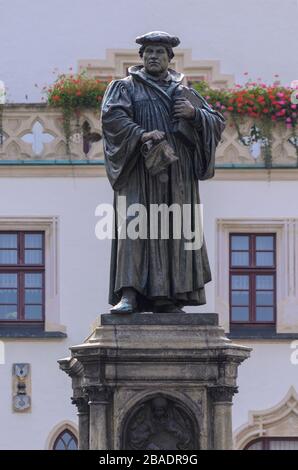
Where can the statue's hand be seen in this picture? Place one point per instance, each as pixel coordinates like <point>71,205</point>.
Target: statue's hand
<point>156,136</point>
<point>183,109</point>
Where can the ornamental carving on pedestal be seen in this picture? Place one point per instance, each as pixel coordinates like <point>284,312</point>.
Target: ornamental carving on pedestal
<point>159,423</point>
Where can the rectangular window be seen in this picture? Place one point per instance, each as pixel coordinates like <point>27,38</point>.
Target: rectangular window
<point>22,271</point>
<point>252,278</point>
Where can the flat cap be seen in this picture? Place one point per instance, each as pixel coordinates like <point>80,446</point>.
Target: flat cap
<point>159,37</point>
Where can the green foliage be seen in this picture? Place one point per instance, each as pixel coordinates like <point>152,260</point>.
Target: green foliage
<point>267,105</point>
<point>73,93</point>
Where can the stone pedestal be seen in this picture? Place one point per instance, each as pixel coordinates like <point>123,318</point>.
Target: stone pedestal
<point>155,381</point>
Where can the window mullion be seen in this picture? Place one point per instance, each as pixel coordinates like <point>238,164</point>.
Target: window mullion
<point>252,251</point>
<point>21,248</point>
<point>253,297</point>
<point>21,275</point>
<point>20,289</point>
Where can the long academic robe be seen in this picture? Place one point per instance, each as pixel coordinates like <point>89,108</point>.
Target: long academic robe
<point>156,268</point>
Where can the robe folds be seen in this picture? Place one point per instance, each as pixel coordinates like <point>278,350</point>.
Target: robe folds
<point>156,268</point>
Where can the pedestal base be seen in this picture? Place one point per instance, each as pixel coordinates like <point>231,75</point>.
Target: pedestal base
<point>154,381</point>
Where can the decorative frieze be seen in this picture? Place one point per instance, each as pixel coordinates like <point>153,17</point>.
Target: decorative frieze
<point>33,133</point>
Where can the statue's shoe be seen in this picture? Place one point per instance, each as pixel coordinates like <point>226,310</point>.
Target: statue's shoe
<point>124,306</point>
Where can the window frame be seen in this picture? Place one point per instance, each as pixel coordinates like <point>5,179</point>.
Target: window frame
<point>74,437</point>
<point>20,269</point>
<point>252,271</point>
<point>265,440</point>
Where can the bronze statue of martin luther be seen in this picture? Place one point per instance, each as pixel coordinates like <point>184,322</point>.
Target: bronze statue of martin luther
<point>159,140</point>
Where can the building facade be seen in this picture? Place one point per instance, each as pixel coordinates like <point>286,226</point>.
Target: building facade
<point>54,272</point>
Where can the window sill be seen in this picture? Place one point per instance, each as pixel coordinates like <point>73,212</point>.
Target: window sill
<point>259,333</point>
<point>29,332</point>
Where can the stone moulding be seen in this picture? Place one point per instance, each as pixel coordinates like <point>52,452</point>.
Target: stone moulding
<point>18,121</point>
<point>279,421</point>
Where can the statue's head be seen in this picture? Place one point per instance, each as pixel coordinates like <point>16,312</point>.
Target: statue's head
<point>159,407</point>
<point>157,51</point>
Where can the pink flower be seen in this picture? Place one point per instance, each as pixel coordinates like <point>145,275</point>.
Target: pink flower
<point>288,119</point>
<point>293,106</point>
<point>280,94</point>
